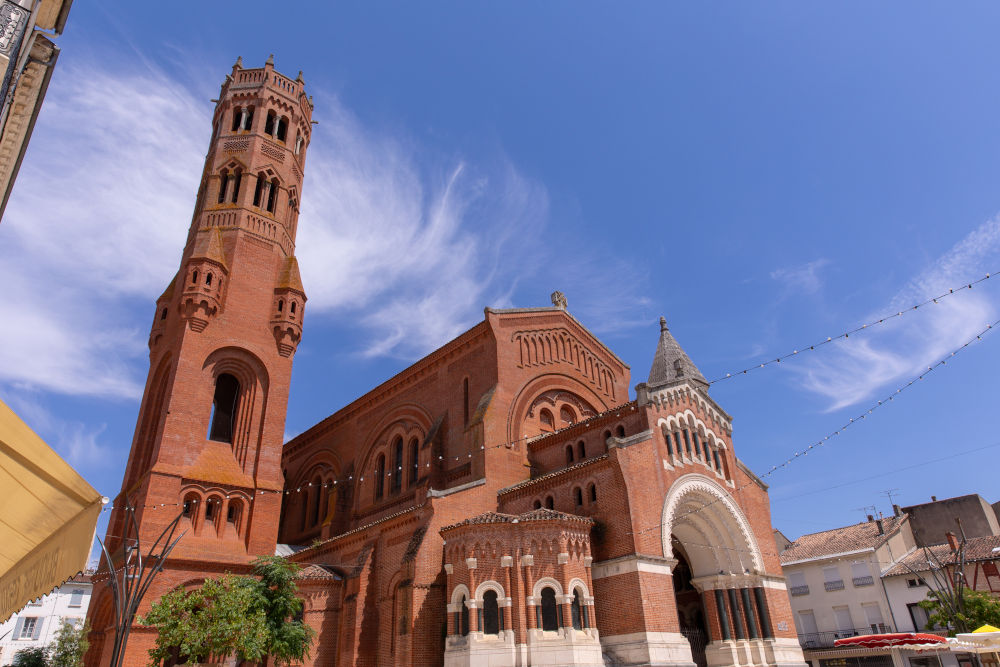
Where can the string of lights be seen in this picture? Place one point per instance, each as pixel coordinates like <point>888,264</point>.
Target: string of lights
<point>847,334</point>
<point>852,421</point>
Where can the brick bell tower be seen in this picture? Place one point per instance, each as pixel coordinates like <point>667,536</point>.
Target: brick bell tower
<point>210,429</point>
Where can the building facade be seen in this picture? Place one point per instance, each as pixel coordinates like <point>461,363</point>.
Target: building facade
<point>39,621</point>
<point>502,501</point>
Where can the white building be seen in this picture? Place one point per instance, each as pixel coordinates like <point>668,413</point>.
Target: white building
<point>38,622</point>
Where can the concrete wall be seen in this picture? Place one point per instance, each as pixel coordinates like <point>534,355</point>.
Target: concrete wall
<point>930,521</point>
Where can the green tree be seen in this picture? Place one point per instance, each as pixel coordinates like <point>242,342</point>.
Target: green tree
<point>31,657</point>
<point>219,619</point>
<point>288,637</point>
<point>70,644</point>
<point>961,614</point>
<point>253,618</point>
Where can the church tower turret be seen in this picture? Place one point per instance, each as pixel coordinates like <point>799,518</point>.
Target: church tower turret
<point>211,425</point>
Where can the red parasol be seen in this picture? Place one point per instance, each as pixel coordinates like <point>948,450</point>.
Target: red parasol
<point>910,640</point>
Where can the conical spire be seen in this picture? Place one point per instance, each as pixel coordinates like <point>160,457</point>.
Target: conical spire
<point>671,363</point>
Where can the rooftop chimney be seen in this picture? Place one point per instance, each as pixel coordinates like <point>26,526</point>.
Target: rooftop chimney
<point>952,540</point>
<point>933,499</point>
<point>870,518</point>
<point>881,528</point>
<point>896,511</point>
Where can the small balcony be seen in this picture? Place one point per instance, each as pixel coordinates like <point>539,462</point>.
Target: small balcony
<point>799,590</point>
<point>863,581</point>
<point>818,640</point>
<point>837,585</point>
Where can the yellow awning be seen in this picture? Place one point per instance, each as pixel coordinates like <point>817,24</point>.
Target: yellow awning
<point>48,516</point>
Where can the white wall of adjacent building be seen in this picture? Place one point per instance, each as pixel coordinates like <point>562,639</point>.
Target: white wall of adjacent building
<point>36,624</point>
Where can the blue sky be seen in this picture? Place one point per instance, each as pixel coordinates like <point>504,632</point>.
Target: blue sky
<point>764,175</point>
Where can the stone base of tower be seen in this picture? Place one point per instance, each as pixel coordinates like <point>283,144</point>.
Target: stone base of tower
<point>752,652</point>
<point>649,648</point>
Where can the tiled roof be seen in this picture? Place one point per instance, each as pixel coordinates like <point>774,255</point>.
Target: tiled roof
<point>554,473</point>
<point>841,540</point>
<point>317,572</point>
<point>976,549</point>
<point>540,514</point>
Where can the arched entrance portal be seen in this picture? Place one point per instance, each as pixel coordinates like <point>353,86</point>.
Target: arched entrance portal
<point>690,609</point>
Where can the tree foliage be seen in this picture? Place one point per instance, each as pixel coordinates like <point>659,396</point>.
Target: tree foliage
<point>972,610</point>
<point>31,657</point>
<point>249,617</point>
<point>70,644</point>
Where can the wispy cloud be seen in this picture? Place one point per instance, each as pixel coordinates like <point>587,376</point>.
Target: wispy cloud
<point>78,443</point>
<point>411,244</point>
<point>854,370</point>
<point>803,279</point>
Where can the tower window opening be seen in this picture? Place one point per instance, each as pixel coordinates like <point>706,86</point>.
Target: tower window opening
<point>578,496</point>
<point>592,489</point>
<point>163,315</point>
<point>414,461</point>
<point>223,184</point>
<point>581,450</point>
<point>237,118</point>
<point>209,509</point>
<point>380,477</point>
<point>620,431</point>
<point>272,195</point>
<point>537,505</point>
<point>291,308</point>
<point>281,305</point>
<point>298,143</point>
<point>194,278</point>
<point>233,512</point>
<point>260,188</point>
<point>224,404</point>
<point>569,454</point>
<point>188,508</point>
<point>397,465</point>
<point>549,503</point>
<point>550,621</point>
<point>282,128</point>
<point>269,123</point>
<point>208,279</point>
<point>491,613</point>
<point>237,180</point>
<point>248,119</point>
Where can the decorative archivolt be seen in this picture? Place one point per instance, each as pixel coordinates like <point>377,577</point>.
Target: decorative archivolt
<point>558,397</point>
<point>685,393</point>
<point>490,586</point>
<point>546,582</point>
<point>559,345</point>
<point>578,583</point>
<point>714,531</point>
<point>460,591</point>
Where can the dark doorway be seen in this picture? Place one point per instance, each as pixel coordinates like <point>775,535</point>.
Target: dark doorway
<point>690,608</point>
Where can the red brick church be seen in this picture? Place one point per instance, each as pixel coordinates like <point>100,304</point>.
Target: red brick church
<point>502,501</point>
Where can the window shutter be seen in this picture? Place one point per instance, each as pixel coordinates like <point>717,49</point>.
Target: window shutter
<point>859,570</point>
<point>17,628</point>
<point>38,628</point>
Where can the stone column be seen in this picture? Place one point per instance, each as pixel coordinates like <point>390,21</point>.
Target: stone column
<point>748,613</point>
<point>720,607</point>
<point>734,610</point>
<point>532,620</point>
<point>765,616</point>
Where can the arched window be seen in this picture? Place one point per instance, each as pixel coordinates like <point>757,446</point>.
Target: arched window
<point>272,195</point>
<point>718,465</point>
<point>697,444</point>
<point>581,450</point>
<point>298,143</point>
<point>550,621</point>
<point>414,461</point>
<point>282,128</point>
<point>575,610</point>
<point>569,454</point>
<point>491,613</point>
<point>208,278</point>
<point>397,464</point>
<point>269,123</point>
<point>578,496</point>
<point>233,513</point>
<point>465,401</point>
<point>545,418</point>
<point>607,434</point>
<point>380,476</point>
<point>620,431</point>
<point>194,278</point>
<point>211,509</point>
<point>237,117</point>
<point>537,505</point>
<point>291,308</point>
<point>549,503</point>
<point>248,120</point>
<point>317,499</point>
<point>163,315</point>
<point>189,506</point>
<point>224,404</point>
<point>670,442</point>
<point>281,305</point>
<point>223,184</point>
<point>237,180</point>
<point>592,490</point>
<point>464,629</point>
<point>567,415</point>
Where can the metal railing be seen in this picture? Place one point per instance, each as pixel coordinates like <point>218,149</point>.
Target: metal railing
<point>799,590</point>
<point>814,640</point>
<point>837,585</point>
<point>863,581</point>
